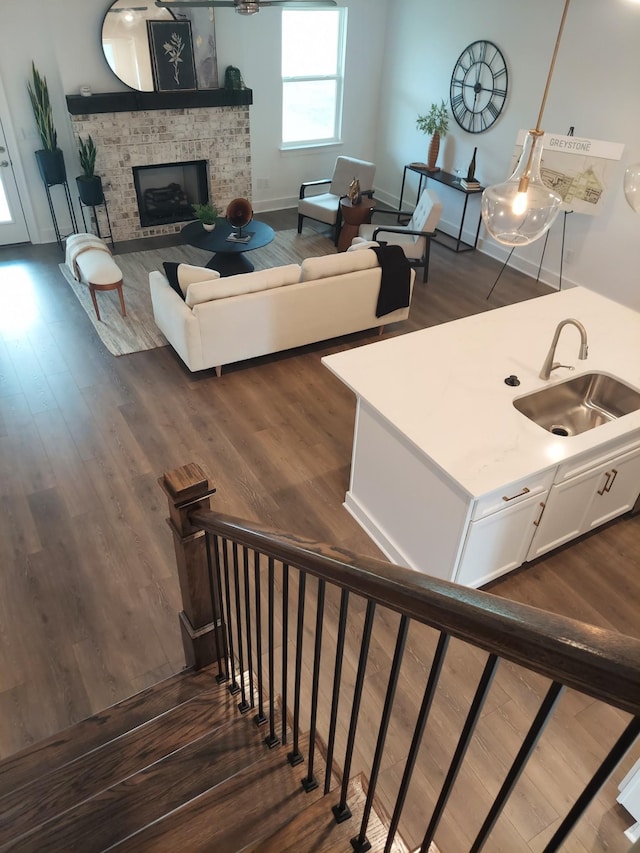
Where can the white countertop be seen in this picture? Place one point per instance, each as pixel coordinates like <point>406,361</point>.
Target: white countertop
<point>443,387</point>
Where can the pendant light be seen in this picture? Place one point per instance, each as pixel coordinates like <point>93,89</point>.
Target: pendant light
<point>522,209</point>
<point>632,186</point>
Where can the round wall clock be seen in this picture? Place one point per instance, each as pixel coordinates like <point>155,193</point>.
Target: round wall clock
<point>478,86</point>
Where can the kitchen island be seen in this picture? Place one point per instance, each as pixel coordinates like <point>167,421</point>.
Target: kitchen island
<point>447,477</point>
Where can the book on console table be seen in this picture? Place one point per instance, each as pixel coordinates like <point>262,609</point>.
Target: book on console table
<point>240,238</point>
<point>469,185</point>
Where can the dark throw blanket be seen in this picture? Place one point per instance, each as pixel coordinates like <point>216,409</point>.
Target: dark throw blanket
<point>395,281</point>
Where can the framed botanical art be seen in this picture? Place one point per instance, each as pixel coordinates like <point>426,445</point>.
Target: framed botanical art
<point>171,49</point>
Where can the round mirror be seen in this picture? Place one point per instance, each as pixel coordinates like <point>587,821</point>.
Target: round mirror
<point>125,42</point>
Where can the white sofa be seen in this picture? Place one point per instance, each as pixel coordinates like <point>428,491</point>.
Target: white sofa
<point>224,320</point>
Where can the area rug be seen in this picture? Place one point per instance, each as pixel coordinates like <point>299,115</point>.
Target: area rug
<point>137,331</point>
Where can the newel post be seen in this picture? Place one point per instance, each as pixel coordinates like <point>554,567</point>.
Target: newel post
<point>187,488</point>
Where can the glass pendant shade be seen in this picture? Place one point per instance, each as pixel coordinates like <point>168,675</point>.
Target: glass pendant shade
<point>521,209</point>
<point>632,186</point>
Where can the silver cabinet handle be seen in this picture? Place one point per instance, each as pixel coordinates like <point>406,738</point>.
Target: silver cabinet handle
<point>4,162</point>
<point>525,491</point>
<point>2,150</point>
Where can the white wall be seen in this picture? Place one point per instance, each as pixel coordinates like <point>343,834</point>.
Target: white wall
<point>594,88</point>
<point>64,40</point>
<point>400,56</point>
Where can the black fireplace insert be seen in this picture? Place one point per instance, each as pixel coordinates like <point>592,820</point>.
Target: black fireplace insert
<point>167,192</point>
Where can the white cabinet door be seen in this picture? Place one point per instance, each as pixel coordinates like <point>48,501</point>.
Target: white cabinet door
<point>618,492</point>
<point>586,501</point>
<point>498,543</point>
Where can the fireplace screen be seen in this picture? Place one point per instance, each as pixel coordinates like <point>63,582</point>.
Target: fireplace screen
<point>167,192</point>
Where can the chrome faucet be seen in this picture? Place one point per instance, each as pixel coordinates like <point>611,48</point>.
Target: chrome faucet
<point>549,363</point>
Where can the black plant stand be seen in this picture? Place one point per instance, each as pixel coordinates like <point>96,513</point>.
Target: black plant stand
<point>72,214</point>
<point>94,218</point>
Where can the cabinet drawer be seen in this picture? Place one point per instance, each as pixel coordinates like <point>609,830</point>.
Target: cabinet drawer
<point>513,494</point>
<point>599,456</point>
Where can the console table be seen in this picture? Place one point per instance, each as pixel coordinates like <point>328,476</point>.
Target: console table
<point>456,244</point>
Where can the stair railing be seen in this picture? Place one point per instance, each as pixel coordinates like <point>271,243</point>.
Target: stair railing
<point>228,617</point>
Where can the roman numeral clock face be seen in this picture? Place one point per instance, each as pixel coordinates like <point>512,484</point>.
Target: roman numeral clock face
<point>478,86</point>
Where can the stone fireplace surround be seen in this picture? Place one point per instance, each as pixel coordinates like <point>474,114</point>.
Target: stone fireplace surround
<point>145,131</point>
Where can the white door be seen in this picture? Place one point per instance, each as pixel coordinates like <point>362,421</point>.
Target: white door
<point>13,228</point>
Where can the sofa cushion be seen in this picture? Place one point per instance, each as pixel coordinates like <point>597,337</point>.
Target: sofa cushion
<point>236,285</point>
<point>359,243</point>
<point>180,275</point>
<point>341,264</point>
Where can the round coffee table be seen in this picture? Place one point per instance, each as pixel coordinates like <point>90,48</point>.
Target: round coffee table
<point>229,256</point>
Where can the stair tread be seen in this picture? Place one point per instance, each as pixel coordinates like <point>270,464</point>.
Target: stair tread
<point>314,830</point>
<point>66,786</point>
<point>251,805</point>
<point>117,812</point>
<point>46,755</point>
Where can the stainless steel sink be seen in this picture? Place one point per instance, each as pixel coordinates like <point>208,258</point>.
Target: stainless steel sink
<point>579,404</point>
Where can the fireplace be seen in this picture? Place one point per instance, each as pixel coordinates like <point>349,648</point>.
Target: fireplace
<point>167,191</point>
<point>152,137</point>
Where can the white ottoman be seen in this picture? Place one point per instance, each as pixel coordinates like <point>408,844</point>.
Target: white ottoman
<point>89,258</point>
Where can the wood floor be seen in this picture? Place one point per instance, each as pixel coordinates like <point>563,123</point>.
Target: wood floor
<point>88,591</point>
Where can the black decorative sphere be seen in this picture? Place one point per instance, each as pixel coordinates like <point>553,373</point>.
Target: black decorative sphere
<point>239,212</point>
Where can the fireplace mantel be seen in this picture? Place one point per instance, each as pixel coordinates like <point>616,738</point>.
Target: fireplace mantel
<point>132,101</point>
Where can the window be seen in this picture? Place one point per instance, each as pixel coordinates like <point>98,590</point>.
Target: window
<point>312,76</point>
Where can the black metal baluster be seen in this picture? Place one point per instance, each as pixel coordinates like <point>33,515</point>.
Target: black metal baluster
<point>309,783</point>
<point>598,779</point>
<point>481,694</point>
<point>285,642</point>
<point>341,811</point>
<point>361,843</point>
<point>295,756</point>
<point>260,716</point>
<point>243,705</point>
<point>337,680</point>
<point>421,722</point>
<point>234,687</point>
<point>515,771</point>
<point>271,739</point>
<point>247,612</point>
<point>219,618</point>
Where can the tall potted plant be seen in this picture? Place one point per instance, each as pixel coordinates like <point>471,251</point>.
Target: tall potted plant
<point>436,124</point>
<point>89,184</point>
<point>50,158</point>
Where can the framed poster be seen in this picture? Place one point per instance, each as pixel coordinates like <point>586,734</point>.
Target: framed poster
<point>581,170</point>
<point>172,56</point>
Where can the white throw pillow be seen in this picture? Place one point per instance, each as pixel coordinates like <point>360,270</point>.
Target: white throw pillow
<point>180,275</point>
<point>359,243</point>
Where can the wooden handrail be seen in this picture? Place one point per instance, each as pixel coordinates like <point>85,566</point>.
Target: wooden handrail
<point>601,663</point>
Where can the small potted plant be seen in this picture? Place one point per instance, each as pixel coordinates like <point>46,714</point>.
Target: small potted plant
<point>89,184</point>
<point>207,214</point>
<point>436,124</point>
<point>50,158</point>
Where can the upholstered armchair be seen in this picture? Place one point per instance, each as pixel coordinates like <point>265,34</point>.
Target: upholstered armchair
<point>415,236</point>
<point>325,207</point>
